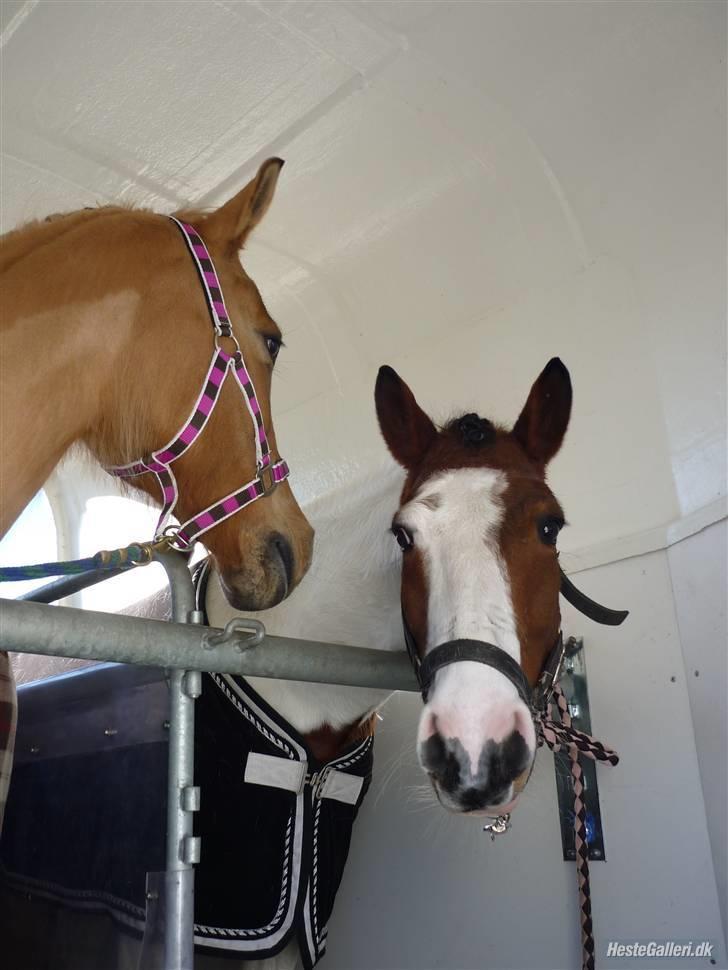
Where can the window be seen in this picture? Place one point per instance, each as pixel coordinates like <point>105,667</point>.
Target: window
<point>31,539</point>
<point>110,522</point>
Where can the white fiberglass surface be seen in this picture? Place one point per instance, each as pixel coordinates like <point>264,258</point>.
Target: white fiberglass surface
<point>470,189</point>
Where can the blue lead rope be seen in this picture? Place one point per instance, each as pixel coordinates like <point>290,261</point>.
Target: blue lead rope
<point>134,555</point>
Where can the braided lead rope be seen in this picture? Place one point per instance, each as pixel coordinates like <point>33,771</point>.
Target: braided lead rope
<point>137,554</point>
<point>559,735</point>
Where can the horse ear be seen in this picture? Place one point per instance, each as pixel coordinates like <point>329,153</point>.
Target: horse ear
<point>232,223</point>
<point>542,424</point>
<point>405,427</point>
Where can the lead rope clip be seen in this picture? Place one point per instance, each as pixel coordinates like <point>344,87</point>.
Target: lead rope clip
<point>499,826</point>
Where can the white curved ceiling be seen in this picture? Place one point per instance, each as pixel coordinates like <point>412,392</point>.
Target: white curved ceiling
<point>470,188</point>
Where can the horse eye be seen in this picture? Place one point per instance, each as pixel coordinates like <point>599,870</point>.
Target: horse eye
<point>404,539</point>
<point>548,529</point>
<point>274,345</point>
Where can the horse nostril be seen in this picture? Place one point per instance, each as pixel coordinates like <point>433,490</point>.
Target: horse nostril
<point>501,762</point>
<point>441,759</point>
<point>279,545</point>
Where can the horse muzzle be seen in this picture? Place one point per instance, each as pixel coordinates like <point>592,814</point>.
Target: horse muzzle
<point>478,776</point>
<point>265,579</point>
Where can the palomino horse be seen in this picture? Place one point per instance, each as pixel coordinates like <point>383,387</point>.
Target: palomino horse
<point>463,546</point>
<point>107,340</point>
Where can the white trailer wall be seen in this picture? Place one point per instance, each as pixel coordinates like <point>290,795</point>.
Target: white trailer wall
<point>428,890</point>
<point>471,188</point>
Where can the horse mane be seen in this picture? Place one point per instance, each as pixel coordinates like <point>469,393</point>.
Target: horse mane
<point>132,425</point>
<point>29,237</point>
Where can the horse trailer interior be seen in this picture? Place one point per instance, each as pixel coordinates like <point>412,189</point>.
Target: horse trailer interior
<point>484,197</point>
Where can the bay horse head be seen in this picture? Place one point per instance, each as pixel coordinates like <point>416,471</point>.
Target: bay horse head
<point>114,317</point>
<point>478,526</point>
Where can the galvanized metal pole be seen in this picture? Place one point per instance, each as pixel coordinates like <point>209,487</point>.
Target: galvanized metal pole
<point>183,798</point>
<point>63,631</point>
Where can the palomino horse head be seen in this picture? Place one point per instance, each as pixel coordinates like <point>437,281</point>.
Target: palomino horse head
<point>478,527</point>
<point>133,340</point>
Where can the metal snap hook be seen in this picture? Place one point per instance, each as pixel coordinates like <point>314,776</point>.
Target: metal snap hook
<point>499,826</point>
<point>169,538</point>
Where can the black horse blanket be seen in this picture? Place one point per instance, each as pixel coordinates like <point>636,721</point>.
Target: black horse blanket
<point>85,821</point>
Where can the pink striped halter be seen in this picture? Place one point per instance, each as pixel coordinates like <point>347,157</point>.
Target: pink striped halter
<point>268,473</point>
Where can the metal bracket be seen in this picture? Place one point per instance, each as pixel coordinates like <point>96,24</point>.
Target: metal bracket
<point>191,846</point>
<point>191,798</point>
<point>242,632</point>
<point>574,685</point>
<point>192,683</point>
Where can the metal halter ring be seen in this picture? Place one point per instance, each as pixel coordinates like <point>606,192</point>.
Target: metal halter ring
<point>233,340</point>
<point>166,539</point>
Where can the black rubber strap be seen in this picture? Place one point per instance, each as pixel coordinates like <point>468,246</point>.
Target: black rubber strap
<point>595,611</point>
<point>200,579</point>
<point>480,652</point>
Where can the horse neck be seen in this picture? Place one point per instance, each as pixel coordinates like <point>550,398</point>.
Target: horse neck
<point>61,333</point>
<point>350,595</point>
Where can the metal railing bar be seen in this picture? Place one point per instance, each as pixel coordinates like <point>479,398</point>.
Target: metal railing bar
<point>27,627</point>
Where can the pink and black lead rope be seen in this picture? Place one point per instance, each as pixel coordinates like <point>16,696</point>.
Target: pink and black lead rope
<point>159,463</point>
<point>556,732</point>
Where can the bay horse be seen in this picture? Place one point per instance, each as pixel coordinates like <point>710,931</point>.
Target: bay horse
<point>106,340</point>
<point>459,541</point>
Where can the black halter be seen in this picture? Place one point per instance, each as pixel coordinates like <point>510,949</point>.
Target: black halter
<point>455,651</point>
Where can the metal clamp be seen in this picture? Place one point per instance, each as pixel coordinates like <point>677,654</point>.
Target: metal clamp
<point>242,632</point>
<point>317,780</point>
<point>191,798</point>
<point>191,849</point>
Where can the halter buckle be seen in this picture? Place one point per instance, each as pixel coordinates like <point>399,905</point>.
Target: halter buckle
<point>266,479</point>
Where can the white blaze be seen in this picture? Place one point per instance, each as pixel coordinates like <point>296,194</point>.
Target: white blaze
<point>455,521</point>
